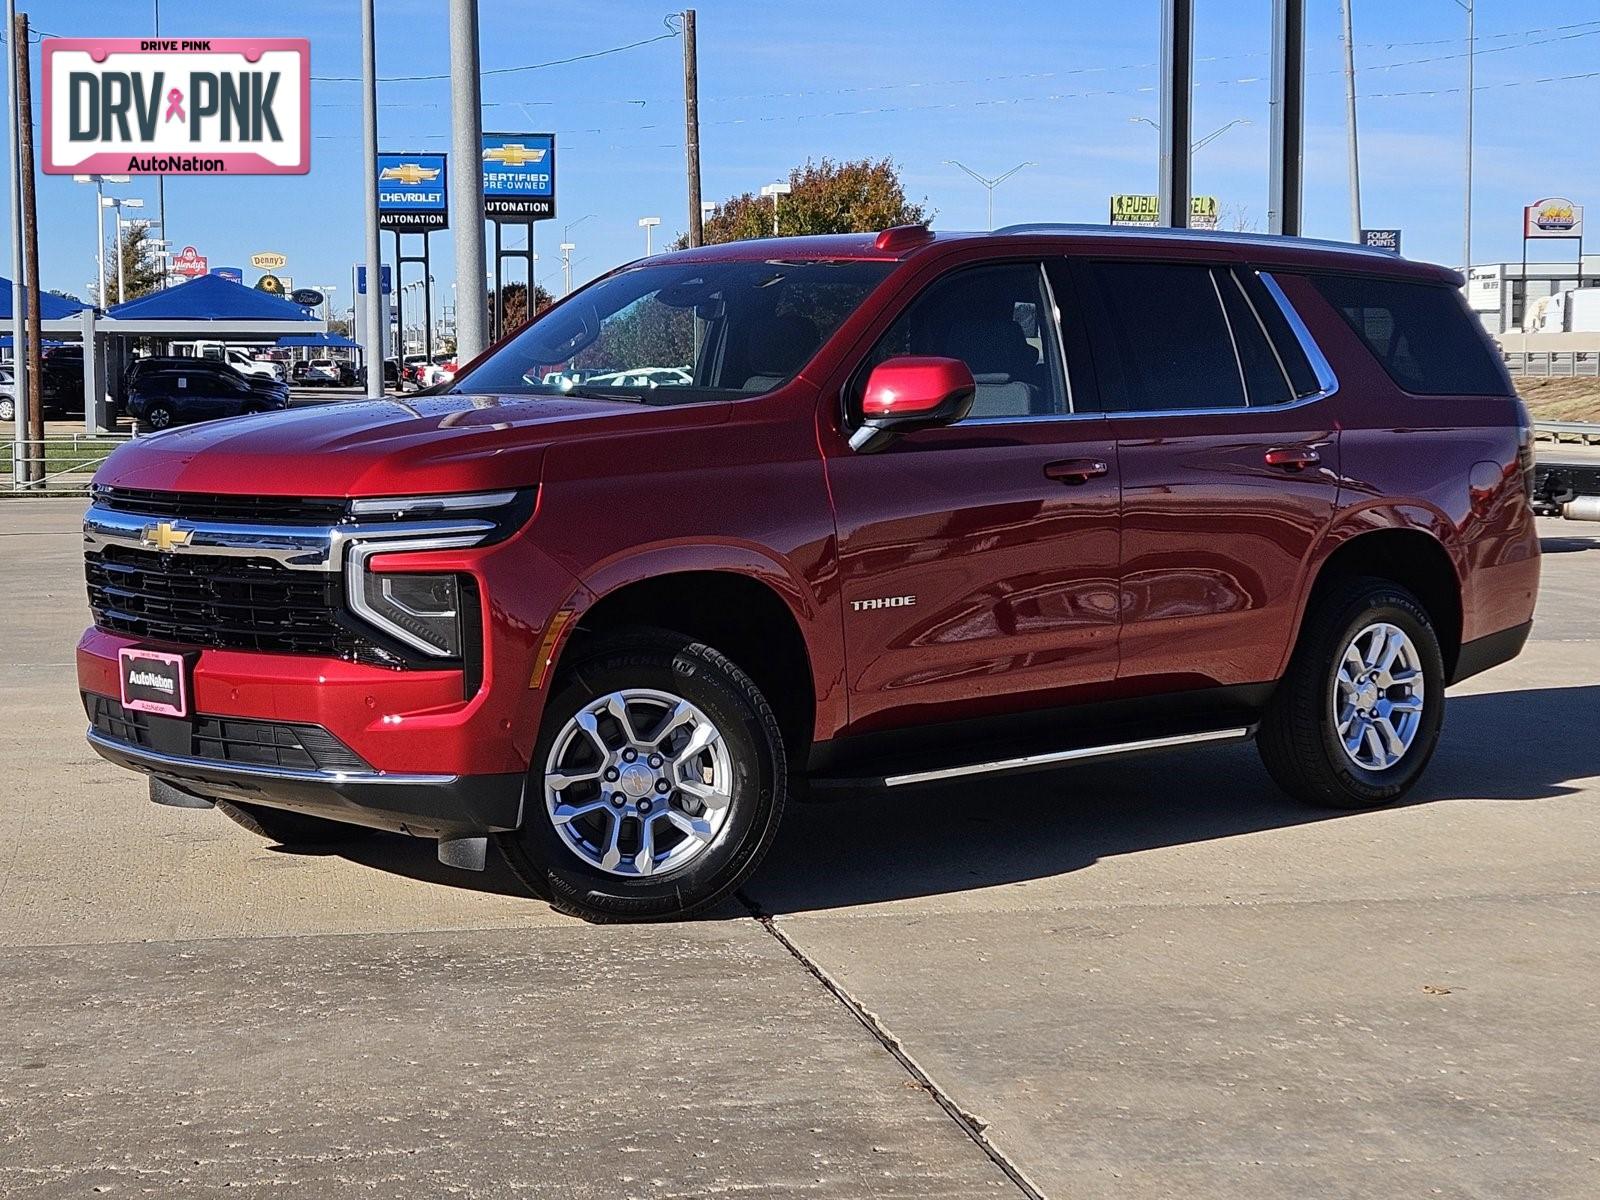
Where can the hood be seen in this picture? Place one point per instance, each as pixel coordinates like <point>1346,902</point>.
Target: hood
<point>428,445</point>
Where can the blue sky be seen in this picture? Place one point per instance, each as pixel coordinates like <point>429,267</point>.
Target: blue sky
<point>991,84</point>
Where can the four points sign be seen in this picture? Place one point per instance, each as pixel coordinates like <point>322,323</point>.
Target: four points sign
<point>157,106</point>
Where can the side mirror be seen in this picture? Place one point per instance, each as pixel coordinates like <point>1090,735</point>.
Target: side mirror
<point>910,393</point>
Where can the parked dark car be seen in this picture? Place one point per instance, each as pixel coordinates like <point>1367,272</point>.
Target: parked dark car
<point>8,394</point>
<point>263,384</point>
<point>185,395</point>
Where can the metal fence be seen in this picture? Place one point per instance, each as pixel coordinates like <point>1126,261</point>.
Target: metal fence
<point>63,462</point>
<point>1551,364</point>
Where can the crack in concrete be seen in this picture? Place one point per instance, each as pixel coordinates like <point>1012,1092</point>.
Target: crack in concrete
<point>969,1124</point>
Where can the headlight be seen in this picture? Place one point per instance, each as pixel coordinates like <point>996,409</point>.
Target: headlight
<point>423,611</point>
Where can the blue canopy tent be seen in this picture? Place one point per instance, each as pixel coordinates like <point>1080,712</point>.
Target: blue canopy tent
<point>317,341</point>
<point>211,307</point>
<point>51,308</point>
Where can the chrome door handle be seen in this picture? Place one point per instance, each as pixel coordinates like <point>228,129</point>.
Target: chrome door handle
<point>1073,471</point>
<point>1293,458</point>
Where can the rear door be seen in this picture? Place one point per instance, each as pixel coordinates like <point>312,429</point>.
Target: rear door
<point>979,562</point>
<point>1229,456</point>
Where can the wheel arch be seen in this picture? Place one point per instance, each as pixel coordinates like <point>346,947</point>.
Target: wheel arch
<point>742,615</point>
<point>1408,554</point>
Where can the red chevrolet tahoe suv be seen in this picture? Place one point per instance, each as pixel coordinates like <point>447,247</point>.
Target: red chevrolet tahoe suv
<point>737,525</point>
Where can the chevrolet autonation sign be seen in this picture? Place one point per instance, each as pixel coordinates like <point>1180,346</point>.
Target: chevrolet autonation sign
<point>411,192</point>
<point>161,106</point>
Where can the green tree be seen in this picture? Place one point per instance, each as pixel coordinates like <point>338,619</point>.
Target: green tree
<point>141,267</point>
<point>863,196</point>
<point>514,303</point>
<point>63,294</point>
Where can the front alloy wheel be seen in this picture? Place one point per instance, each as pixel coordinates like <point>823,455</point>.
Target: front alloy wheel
<point>638,782</point>
<point>657,782</point>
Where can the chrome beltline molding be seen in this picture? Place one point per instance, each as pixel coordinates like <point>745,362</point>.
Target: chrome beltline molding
<point>155,761</point>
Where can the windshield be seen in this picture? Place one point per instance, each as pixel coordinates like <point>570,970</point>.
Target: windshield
<point>680,332</point>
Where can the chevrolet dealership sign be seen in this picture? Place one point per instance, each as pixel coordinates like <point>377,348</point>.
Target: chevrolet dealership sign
<point>161,106</point>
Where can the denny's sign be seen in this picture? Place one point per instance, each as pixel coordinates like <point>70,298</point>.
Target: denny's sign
<point>161,106</point>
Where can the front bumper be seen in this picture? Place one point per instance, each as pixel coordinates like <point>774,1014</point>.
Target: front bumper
<point>423,805</point>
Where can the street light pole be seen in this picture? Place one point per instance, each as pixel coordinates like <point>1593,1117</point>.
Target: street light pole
<point>19,360</point>
<point>775,190</point>
<point>117,204</point>
<point>647,224</point>
<point>989,184</point>
<point>1352,145</point>
<point>466,176</point>
<point>566,267</point>
<point>1466,231</point>
<point>372,322</point>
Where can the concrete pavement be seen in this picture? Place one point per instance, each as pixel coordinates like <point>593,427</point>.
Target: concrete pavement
<point>1148,980</point>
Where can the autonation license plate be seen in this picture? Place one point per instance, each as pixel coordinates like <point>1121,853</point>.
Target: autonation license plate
<point>154,682</point>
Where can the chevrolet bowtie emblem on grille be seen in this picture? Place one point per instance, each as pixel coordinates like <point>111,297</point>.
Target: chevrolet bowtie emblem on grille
<point>164,536</point>
<point>514,154</point>
<point>410,174</point>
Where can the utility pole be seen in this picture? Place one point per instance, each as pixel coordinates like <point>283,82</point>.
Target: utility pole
<point>1350,121</point>
<point>1177,69</point>
<point>1287,105</point>
<point>1466,230</point>
<point>18,317</point>
<point>161,180</point>
<point>466,179</point>
<point>372,324</point>
<point>691,130</point>
<point>30,250</point>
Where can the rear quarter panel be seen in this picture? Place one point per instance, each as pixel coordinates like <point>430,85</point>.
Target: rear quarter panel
<point>1443,465</point>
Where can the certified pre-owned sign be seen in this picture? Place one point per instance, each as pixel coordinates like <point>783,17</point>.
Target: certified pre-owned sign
<point>157,106</point>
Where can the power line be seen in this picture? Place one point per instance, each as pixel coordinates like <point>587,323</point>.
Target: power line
<point>555,62</point>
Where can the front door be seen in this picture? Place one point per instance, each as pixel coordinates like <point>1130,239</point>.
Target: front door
<point>979,562</point>
<point>1229,457</point>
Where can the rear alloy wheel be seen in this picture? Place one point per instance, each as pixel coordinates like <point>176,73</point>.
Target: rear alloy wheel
<point>1356,718</point>
<point>659,778</point>
<point>158,416</point>
<point>8,409</point>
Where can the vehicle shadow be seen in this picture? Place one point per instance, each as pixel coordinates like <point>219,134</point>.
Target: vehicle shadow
<point>933,841</point>
<point>1568,545</point>
<point>937,840</point>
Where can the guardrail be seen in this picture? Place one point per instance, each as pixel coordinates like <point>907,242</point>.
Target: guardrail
<point>1553,364</point>
<point>1585,432</point>
<point>63,462</point>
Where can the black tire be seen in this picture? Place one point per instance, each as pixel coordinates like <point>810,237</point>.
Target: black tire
<point>669,663</point>
<point>159,416</point>
<point>1299,738</point>
<point>288,828</point>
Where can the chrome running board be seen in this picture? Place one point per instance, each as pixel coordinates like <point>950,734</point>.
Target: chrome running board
<point>1051,758</point>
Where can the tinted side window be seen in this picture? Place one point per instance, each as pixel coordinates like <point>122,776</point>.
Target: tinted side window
<point>1000,321</point>
<point>1163,342</point>
<point>1264,377</point>
<point>1421,333</point>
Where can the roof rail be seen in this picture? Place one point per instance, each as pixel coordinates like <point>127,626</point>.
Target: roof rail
<point>1163,231</point>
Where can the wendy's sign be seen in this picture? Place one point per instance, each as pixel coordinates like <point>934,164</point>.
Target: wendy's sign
<point>161,106</point>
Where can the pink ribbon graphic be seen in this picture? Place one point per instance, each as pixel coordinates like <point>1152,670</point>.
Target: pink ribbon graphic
<point>174,106</point>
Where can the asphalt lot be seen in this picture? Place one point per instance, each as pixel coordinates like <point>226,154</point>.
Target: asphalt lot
<point>1157,979</point>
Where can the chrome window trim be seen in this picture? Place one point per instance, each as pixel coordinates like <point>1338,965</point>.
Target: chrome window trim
<point>1061,343</point>
<point>1233,339</point>
<point>158,761</point>
<point>1277,355</point>
<point>1327,381</point>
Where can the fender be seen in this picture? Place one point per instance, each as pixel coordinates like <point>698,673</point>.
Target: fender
<point>813,608</point>
<point>1376,516</point>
